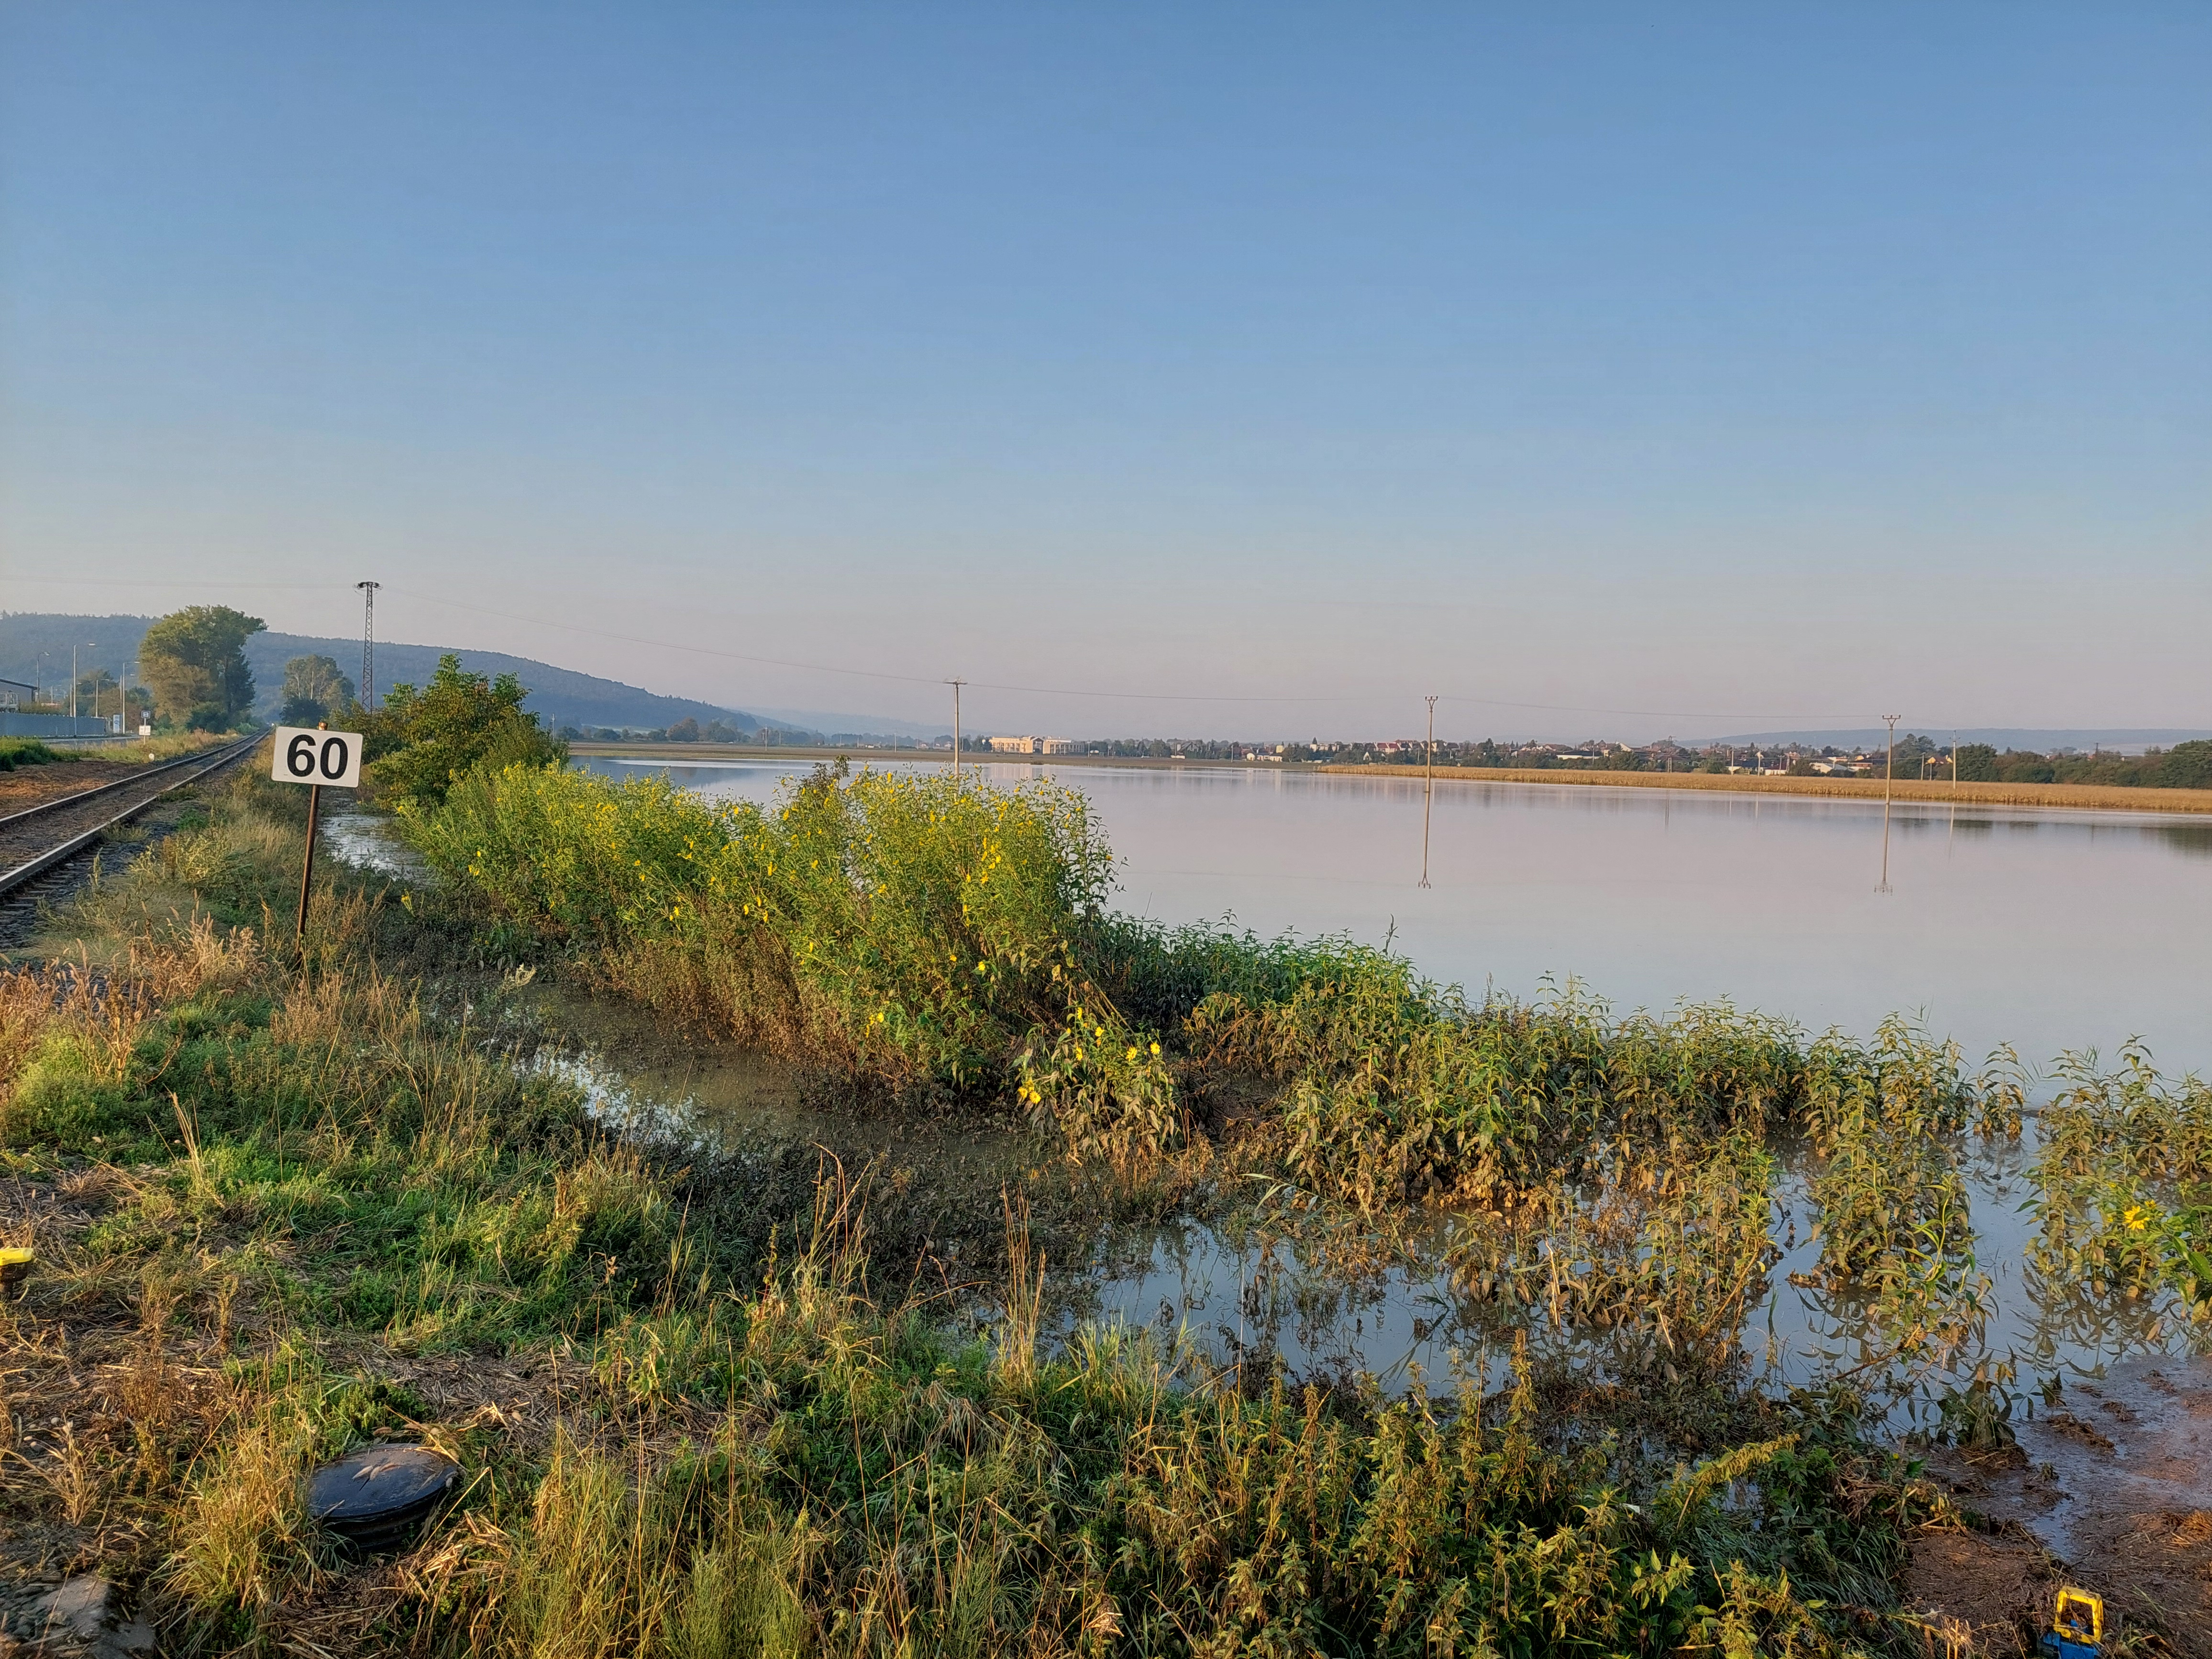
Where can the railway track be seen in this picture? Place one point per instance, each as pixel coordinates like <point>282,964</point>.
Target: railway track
<point>40,839</point>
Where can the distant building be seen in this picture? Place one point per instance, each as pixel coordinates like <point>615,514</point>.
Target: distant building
<point>1033,745</point>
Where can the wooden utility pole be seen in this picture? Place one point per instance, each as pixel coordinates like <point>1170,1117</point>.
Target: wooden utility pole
<point>956,686</point>
<point>1428,789</point>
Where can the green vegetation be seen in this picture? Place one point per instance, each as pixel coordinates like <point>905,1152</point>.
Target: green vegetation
<point>2126,1172</point>
<point>933,933</point>
<point>28,751</point>
<point>421,741</point>
<point>2184,766</point>
<point>194,661</point>
<point>279,1200</point>
<point>703,1403</point>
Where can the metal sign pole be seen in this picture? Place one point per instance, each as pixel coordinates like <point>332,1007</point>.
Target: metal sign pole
<point>307,864</point>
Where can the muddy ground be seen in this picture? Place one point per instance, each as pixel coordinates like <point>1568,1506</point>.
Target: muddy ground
<point>2109,1488</point>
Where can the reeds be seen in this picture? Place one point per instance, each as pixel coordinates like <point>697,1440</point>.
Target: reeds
<point>1935,792</point>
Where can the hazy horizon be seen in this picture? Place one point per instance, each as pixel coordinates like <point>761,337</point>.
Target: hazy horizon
<point>1612,371</point>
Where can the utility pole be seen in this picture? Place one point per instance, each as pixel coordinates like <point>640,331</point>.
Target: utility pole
<point>956,686</point>
<point>367,643</point>
<point>1955,762</point>
<point>1428,789</point>
<point>1889,790</point>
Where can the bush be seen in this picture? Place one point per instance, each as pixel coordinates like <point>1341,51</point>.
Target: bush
<point>917,929</point>
<point>28,751</point>
<point>421,742</point>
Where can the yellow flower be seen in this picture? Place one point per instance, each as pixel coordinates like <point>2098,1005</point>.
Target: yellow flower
<point>1156,1048</point>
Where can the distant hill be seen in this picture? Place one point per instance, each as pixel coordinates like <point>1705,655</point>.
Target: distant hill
<point>562,695</point>
<point>817,720</point>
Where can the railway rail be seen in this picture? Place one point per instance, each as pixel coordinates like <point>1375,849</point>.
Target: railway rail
<point>37,838</point>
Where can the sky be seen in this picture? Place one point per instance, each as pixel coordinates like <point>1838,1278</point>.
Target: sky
<point>1158,369</point>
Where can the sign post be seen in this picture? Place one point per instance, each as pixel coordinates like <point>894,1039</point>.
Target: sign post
<point>316,757</point>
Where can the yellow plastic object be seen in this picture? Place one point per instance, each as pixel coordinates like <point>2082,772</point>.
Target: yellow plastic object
<point>2079,1616</point>
<point>15,1261</point>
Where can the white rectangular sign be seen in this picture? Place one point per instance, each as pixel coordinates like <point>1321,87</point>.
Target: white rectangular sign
<point>307,754</point>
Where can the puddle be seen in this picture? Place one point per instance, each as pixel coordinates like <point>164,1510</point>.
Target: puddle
<point>2114,1477</point>
<point>1262,1300</point>
<point>636,1071</point>
<point>368,842</point>
<point>2136,1440</point>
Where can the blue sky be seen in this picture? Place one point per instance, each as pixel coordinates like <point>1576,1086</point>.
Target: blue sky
<point>1667,369</point>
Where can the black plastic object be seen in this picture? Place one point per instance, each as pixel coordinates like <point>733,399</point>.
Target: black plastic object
<point>374,1497</point>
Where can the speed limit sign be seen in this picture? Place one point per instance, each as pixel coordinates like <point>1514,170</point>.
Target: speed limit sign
<point>307,754</point>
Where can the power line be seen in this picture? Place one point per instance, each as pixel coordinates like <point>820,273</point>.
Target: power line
<point>1075,691</point>
<point>996,685</point>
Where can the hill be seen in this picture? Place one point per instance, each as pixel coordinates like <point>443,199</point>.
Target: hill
<point>562,695</point>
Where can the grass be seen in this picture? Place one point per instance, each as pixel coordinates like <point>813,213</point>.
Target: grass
<point>286,1204</point>
<point>162,746</point>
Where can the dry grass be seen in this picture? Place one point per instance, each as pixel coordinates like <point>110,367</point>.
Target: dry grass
<point>2088,796</point>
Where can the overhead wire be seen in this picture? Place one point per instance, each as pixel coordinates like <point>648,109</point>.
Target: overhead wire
<point>450,603</point>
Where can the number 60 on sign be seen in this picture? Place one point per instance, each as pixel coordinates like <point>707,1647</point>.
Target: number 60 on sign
<point>306,754</point>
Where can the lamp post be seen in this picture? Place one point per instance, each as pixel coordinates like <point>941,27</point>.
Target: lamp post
<point>1428,788</point>
<point>90,645</point>
<point>1889,790</point>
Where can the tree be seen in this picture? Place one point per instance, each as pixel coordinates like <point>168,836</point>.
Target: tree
<point>1914,752</point>
<point>2186,766</point>
<point>684,731</point>
<point>1977,763</point>
<point>313,690</point>
<point>194,661</point>
<point>422,742</point>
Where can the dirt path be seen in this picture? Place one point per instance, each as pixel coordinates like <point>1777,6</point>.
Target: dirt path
<point>2109,1488</point>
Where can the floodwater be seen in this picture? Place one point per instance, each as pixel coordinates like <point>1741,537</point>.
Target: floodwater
<point>2047,929</point>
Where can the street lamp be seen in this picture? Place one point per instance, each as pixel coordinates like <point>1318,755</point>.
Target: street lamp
<point>90,645</point>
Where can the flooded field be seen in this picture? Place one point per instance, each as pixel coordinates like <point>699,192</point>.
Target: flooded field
<point>2047,930</point>
<point>1253,1284</point>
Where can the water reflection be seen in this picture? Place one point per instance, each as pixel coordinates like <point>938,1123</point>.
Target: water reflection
<point>1248,1296</point>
